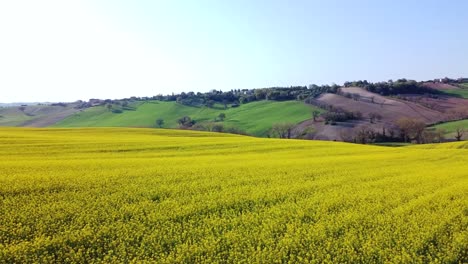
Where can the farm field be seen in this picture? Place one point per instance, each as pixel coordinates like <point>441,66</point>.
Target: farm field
<point>168,196</point>
<point>389,108</point>
<point>458,90</point>
<point>462,92</point>
<point>34,115</point>
<point>450,127</point>
<point>255,118</point>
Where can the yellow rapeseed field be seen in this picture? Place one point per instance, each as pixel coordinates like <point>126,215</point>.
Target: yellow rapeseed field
<point>144,195</point>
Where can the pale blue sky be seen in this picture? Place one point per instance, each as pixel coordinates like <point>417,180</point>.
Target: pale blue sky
<point>55,50</point>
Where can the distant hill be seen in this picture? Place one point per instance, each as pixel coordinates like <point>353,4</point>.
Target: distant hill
<point>359,108</point>
<point>255,118</point>
<point>457,90</point>
<point>40,115</point>
<point>22,103</point>
<point>354,108</point>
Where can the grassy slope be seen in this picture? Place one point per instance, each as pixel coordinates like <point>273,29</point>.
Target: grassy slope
<point>450,127</point>
<point>255,118</point>
<point>12,116</point>
<point>463,92</point>
<point>134,195</point>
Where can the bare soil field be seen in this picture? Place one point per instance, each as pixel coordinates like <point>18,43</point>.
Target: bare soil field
<point>429,110</point>
<point>442,103</point>
<point>390,109</point>
<point>331,132</point>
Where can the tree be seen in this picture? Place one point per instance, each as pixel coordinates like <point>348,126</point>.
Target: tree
<point>209,126</point>
<point>315,114</point>
<point>428,136</point>
<point>374,116</point>
<point>159,122</point>
<point>364,135</point>
<point>185,122</point>
<point>282,130</point>
<point>459,132</point>
<point>440,135</point>
<point>411,129</point>
<point>217,128</point>
<point>210,103</point>
<point>346,135</point>
<point>221,117</point>
<point>109,106</point>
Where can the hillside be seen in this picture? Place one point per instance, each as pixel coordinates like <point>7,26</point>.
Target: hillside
<point>391,109</point>
<point>148,195</point>
<point>256,115</point>
<point>35,115</point>
<point>255,118</point>
<point>450,127</point>
<point>458,90</point>
<point>428,109</point>
<point>462,92</point>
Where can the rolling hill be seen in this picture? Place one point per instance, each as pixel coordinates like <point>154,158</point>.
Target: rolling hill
<point>462,92</point>
<point>429,110</point>
<point>37,115</point>
<point>255,118</point>
<point>459,90</point>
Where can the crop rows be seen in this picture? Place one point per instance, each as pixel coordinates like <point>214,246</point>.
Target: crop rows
<point>143,195</point>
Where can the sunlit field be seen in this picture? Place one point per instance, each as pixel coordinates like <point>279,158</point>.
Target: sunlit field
<point>166,196</point>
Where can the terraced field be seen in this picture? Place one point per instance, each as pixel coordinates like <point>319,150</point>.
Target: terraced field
<point>147,195</point>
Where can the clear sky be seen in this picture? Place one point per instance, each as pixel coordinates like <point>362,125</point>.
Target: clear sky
<point>56,50</point>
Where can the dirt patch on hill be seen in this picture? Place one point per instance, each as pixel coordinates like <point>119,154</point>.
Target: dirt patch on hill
<point>429,109</point>
<point>444,104</point>
<point>320,131</point>
<point>390,109</point>
<point>50,118</point>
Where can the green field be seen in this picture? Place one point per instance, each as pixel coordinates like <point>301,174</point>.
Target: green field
<point>255,118</point>
<point>41,115</point>
<point>450,127</point>
<point>10,116</point>
<point>463,92</point>
<point>129,195</point>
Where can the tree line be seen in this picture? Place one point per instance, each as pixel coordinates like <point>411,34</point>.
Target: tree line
<point>235,97</point>
<point>390,87</point>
